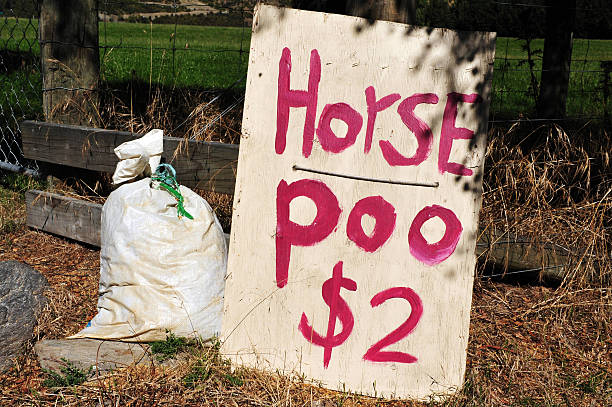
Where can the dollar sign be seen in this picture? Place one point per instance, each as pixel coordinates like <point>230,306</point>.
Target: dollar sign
<point>338,308</point>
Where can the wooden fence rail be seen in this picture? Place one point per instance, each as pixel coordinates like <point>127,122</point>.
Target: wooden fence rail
<point>199,164</point>
<point>205,165</point>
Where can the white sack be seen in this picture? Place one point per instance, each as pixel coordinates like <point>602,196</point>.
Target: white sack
<point>140,156</point>
<point>157,272</point>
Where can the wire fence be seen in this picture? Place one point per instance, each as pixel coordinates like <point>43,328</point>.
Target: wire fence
<point>181,65</point>
<point>190,59</point>
<point>517,79</point>
<point>20,82</point>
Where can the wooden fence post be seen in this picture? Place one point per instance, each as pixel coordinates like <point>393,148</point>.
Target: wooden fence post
<point>70,61</point>
<point>399,11</point>
<point>560,18</point>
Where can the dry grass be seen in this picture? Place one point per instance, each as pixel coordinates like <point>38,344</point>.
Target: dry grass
<point>530,345</point>
<point>555,189</point>
<point>540,346</point>
<point>11,218</point>
<point>221,204</point>
<point>179,112</point>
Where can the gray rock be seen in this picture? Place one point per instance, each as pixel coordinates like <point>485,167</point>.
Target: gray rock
<point>21,300</point>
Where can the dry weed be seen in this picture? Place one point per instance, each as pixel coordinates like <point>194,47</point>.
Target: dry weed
<point>557,191</point>
<point>12,211</point>
<point>185,113</point>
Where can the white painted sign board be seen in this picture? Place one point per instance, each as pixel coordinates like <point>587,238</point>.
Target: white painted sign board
<point>352,250</point>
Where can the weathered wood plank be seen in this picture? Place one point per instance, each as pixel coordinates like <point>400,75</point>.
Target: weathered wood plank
<point>75,146</point>
<point>508,251</point>
<point>104,356</point>
<point>199,164</point>
<point>205,165</point>
<point>379,265</point>
<point>64,216</point>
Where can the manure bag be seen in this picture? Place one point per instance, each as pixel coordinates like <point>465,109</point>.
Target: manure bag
<point>162,262</point>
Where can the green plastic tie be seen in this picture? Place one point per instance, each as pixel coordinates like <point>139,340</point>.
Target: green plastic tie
<point>165,175</point>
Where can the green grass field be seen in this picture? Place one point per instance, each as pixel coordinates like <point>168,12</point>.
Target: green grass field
<point>512,91</point>
<point>206,57</point>
<point>210,58</point>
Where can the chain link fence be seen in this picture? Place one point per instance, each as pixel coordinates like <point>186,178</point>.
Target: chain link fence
<point>20,79</point>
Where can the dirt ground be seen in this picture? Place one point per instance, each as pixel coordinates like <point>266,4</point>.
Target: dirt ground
<point>530,345</point>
